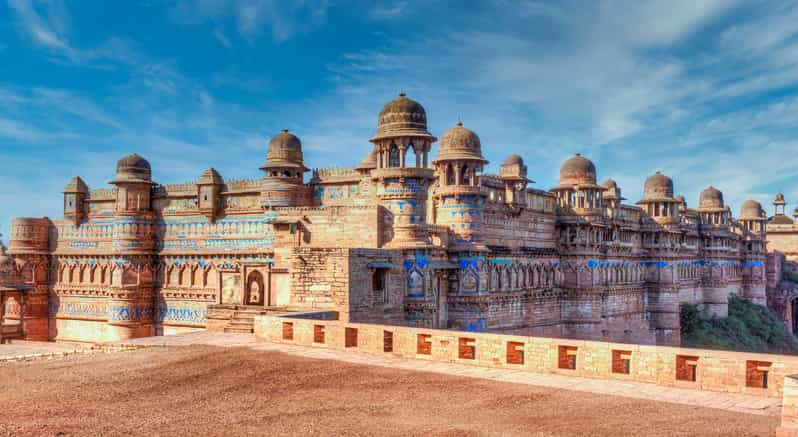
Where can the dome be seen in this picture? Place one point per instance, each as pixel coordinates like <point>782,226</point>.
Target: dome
<point>679,198</point>
<point>658,187</point>
<point>210,177</point>
<point>402,117</point>
<point>711,198</point>
<point>460,143</point>
<point>610,184</point>
<point>514,160</point>
<point>577,170</point>
<point>133,168</point>
<point>285,150</point>
<point>76,185</point>
<point>751,209</point>
<point>369,161</point>
<point>779,198</point>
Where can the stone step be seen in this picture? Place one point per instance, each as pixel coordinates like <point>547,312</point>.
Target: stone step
<point>241,323</point>
<point>231,329</point>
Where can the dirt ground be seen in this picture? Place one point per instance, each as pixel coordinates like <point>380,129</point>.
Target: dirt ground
<point>185,391</point>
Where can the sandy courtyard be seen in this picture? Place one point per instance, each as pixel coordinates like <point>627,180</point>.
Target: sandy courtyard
<point>203,390</point>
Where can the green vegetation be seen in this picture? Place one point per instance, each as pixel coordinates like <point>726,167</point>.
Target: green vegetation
<point>790,276</point>
<point>749,328</point>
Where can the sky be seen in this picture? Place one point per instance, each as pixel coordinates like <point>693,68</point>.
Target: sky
<point>705,91</point>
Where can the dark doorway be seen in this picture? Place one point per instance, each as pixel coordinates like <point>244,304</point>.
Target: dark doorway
<point>255,291</point>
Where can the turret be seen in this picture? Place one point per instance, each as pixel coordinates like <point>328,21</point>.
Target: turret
<point>711,208</point>
<point>133,185</point>
<point>658,200</point>
<point>459,196</point>
<point>209,185</point>
<point>283,183</point>
<point>612,195</point>
<point>513,174</point>
<point>402,144</point>
<point>578,190</point>
<point>753,218</point>
<point>75,194</point>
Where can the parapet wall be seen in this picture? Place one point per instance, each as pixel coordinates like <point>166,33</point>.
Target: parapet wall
<point>738,372</point>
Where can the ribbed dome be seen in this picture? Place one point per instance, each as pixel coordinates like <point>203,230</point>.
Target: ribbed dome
<point>210,176</point>
<point>133,168</point>
<point>514,160</point>
<point>76,185</point>
<point>751,209</point>
<point>402,117</point>
<point>711,198</point>
<point>658,187</point>
<point>369,161</point>
<point>577,170</point>
<point>460,143</point>
<point>285,150</point>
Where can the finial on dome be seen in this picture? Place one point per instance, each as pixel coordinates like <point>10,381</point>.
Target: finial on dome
<point>459,122</point>
<point>285,130</point>
<point>578,154</point>
<point>401,94</point>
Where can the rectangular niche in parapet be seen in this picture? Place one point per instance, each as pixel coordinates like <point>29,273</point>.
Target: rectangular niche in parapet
<point>566,357</point>
<point>466,349</point>
<point>621,362</point>
<point>318,333</point>
<point>350,337</point>
<point>515,352</point>
<point>424,344</point>
<point>387,341</point>
<point>288,331</point>
<point>756,374</point>
<point>686,368</point>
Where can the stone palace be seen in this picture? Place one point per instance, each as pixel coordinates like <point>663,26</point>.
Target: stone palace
<point>403,238</point>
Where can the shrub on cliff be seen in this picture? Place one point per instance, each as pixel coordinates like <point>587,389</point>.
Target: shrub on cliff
<point>749,327</point>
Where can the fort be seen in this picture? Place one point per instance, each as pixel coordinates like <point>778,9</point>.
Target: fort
<point>403,238</point>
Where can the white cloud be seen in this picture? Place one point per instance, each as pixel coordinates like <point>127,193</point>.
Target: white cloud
<point>283,19</point>
<point>389,11</point>
<point>44,31</point>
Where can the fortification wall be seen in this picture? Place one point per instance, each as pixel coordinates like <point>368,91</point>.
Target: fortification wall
<point>737,372</point>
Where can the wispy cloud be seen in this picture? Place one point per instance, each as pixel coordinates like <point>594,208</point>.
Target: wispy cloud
<point>389,11</point>
<point>283,19</point>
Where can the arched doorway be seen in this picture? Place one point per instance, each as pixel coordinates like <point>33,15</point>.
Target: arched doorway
<point>255,291</point>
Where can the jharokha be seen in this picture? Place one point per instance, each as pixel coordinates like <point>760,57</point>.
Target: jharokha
<point>403,238</point>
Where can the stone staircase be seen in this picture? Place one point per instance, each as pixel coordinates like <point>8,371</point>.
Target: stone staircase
<point>242,321</point>
<point>236,318</point>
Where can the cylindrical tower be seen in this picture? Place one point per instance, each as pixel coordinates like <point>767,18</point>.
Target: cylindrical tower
<point>30,246</point>
<point>753,221</point>
<point>402,183</point>
<point>130,296</point>
<point>459,197</point>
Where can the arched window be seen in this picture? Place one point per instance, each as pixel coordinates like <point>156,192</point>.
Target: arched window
<point>393,156</point>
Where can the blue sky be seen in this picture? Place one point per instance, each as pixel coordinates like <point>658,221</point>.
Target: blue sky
<point>705,91</point>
